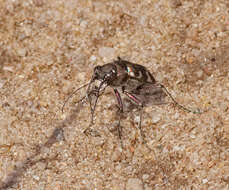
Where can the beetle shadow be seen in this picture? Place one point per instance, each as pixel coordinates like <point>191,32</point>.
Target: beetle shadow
<point>58,135</point>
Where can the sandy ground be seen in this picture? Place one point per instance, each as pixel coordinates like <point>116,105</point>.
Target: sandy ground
<point>49,48</point>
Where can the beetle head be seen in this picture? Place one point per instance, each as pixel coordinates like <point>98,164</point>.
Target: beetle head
<point>106,73</point>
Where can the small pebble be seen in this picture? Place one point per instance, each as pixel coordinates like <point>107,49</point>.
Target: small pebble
<point>107,52</point>
<point>134,184</point>
<point>8,68</point>
<point>145,176</point>
<point>1,84</point>
<point>92,58</point>
<point>22,52</point>
<point>156,117</point>
<point>204,181</point>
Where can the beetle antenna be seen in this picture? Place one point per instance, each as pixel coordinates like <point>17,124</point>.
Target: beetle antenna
<point>72,94</point>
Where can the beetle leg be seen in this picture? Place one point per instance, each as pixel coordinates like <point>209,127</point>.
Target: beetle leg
<point>140,105</point>
<point>97,92</point>
<point>120,105</point>
<point>176,103</point>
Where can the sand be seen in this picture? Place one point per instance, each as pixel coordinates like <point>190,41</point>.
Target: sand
<point>49,48</point>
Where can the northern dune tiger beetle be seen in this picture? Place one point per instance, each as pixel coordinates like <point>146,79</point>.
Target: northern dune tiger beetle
<point>133,80</point>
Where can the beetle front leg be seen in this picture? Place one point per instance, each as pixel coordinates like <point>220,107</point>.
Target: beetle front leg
<point>97,92</point>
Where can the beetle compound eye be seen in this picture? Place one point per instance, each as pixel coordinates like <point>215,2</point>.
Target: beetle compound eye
<point>96,69</point>
<point>97,72</point>
<point>112,73</point>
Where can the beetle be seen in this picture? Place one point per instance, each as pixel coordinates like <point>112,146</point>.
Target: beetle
<point>133,80</point>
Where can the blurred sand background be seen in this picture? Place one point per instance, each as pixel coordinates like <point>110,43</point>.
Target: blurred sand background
<point>49,48</point>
